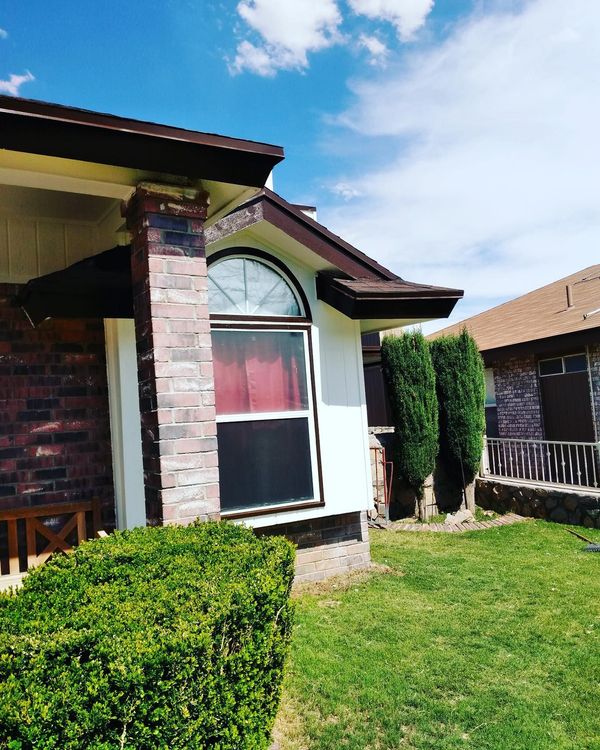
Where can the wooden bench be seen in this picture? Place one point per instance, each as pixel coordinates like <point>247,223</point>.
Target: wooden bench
<point>74,526</point>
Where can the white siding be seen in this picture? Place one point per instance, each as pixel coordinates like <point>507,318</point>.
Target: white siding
<point>31,247</point>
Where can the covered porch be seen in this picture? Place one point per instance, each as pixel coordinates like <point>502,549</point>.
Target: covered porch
<point>106,388</point>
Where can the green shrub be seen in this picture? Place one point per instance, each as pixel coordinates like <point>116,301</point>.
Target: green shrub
<point>164,638</point>
<point>411,386</point>
<point>461,396</point>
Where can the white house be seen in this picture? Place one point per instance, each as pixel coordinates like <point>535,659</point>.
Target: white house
<point>177,341</point>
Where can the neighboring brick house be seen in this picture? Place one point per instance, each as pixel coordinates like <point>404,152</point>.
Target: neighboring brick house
<point>542,354</point>
<point>177,341</point>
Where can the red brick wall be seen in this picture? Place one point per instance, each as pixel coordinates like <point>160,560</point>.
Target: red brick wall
<point>54,420</point>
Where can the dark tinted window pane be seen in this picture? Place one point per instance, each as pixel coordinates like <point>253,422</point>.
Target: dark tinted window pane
<point>491,421</point>
<point>263,463</point>
<point>551,366</point>
<point>576,363</point>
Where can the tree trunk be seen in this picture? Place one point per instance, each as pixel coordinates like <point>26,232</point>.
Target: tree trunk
<point>426,503</point>
<point>470,497</point>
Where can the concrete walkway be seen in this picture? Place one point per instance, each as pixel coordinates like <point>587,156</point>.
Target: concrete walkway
<point>505,520</point>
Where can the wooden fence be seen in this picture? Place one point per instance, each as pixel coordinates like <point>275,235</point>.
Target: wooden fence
<point>29,536</point>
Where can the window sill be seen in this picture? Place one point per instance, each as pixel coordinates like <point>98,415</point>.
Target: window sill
<point>241,513</point>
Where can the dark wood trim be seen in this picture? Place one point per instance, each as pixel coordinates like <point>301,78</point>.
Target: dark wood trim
<point>68,132</point>
<point>241,251</point>
<point>262,511</point>
<point>269,207</point>
<point>565,343</point>
<point>401,305</point>
<point>313,386</point>
<point>320,240</point>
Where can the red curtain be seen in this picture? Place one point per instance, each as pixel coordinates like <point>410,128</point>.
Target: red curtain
<point>259,371</point>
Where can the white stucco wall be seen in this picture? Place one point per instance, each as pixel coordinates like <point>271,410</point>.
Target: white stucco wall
<point>340,400</point>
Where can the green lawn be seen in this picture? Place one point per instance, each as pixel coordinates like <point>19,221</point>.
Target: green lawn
<point>487,639</point>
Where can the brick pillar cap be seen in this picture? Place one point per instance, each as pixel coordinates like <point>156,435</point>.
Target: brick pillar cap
<point>169,200</point>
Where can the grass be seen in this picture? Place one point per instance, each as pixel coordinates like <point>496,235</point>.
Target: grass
<point>483,640</point>
<point>484,515</point>
<point>480,515</point>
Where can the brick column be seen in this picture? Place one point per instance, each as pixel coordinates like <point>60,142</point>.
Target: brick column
<point>175,371</point>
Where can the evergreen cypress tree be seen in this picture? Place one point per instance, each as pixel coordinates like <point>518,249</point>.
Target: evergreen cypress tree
<point>460,383</point>
<point>410,377</point>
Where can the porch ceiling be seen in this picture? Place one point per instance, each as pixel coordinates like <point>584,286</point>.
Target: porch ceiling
<point>53,204</point>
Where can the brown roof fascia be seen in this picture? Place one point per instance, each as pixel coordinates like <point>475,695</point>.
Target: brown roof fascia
<point>565,343</point>
<point>267,206</point>
<point>307,231</point>
<point>387,300</point>
<point>68,132</point>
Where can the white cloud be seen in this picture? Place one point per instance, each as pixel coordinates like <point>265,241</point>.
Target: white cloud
<point>3,34</point>
<point>378,52</point>
<point>345,190</point>
<point>288,31</point>
<point>489,146</point>
<point>253,59</point>
<point>14,83</point>
<point>406,15</point>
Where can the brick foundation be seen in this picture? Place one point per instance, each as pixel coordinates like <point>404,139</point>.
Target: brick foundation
<point>327,546</point>
<point>54,421</point>
<point>176,387</point>
<point>518,399</point>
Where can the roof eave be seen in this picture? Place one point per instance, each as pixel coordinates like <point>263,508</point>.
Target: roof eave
<point>53,130</point>
<point>435,303</point>
<point>550,345</point>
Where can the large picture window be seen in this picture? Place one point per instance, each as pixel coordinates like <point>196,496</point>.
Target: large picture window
<point>266,426</point>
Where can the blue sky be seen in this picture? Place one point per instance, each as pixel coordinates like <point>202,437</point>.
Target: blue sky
<point>454,141</point>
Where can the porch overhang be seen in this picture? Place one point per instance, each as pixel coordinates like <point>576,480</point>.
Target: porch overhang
<point>96,287</point>
<point>54,130</point>
<point>386,299</point>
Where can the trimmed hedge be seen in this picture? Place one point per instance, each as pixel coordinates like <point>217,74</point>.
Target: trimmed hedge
<point>460,381</point>
<point>410,378</point>
<point>165,638</point>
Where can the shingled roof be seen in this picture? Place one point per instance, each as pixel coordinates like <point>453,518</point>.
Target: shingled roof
<point>567,306</point>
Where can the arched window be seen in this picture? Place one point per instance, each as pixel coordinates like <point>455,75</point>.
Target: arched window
<point>266,424</point>
<point>247,286</point>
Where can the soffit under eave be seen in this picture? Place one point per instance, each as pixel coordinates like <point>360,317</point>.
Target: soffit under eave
<point>373,325</point>
<point>102,180</point>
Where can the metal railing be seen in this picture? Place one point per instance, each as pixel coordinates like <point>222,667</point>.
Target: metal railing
<point>546,461</point>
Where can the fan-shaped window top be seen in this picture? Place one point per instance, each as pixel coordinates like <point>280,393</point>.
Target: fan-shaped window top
<point>245,286</point>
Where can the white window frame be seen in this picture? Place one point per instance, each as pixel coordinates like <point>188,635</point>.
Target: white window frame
<point>277,323</point>
<point>309,414</point>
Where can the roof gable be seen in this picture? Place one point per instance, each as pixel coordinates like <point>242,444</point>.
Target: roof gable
<point>272,208</point>
<point>351,282</point>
